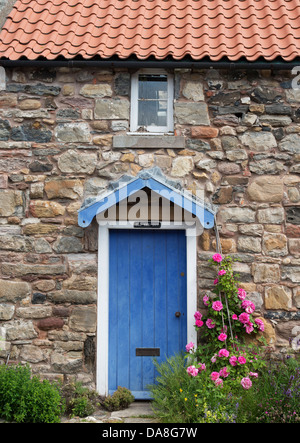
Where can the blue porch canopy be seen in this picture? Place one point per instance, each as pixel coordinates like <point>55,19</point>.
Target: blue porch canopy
<point>151,179</point>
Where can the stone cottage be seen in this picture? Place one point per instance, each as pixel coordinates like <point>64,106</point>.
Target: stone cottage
<point>137,138</point>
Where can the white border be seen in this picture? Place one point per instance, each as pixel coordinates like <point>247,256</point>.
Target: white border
<point>103,295</point>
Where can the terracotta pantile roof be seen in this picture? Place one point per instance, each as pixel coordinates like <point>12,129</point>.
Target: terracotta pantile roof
<point>159,28</point>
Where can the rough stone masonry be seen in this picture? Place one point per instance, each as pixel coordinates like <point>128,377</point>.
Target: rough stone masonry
<point>58,132</point>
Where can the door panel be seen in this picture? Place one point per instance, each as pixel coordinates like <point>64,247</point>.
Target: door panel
<point>147,287</point>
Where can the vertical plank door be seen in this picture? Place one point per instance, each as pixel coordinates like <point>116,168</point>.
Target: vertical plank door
<point>147,304</point>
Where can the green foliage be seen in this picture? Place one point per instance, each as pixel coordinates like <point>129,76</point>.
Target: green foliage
<point>27,399</point>
<point>81,407</point>
<point>233,299</point>
<point>120,399</point>
<point>222,379</point>
<point>171,381</point>
<point>179,398</point>
<point>276,396</point>
<point>229,318</point>
<point>80,401</point>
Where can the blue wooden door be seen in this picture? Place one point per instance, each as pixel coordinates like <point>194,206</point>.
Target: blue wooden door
<point>147,304</point>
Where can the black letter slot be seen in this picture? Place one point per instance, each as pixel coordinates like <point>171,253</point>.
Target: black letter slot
<point>147,352</point>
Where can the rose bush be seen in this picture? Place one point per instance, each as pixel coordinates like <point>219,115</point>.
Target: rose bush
<point>223,379</point>
<point>230,308</point>
<point>229,317</point>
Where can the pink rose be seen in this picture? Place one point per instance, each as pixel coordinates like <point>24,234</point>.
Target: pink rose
<point>248,306</point>
<point>244,318</point>
<point>246,383</point>
<point>253,374</point>
<point>216,281</point>
<point>222,337</point>
<point>199,323</point>
<point>206,300</point>
<point>214,376</point>
<point>242,294</point>
<point>249,327</point>
<point>217,306</point>
<point>214,358</point>
<point>198,315</point>
<point>222,272</point>
<point>224,373</point>
<point>260,324</point>
<point>233,360</point>
<point>234,317</point>
<point>219,382</point>
<point>191,370</point>
<point>202,367</point>
<point>217,258</point>
<point>210,324</point>
<point>223,353</point>
<point>242,360</point>
<point>189,346</point>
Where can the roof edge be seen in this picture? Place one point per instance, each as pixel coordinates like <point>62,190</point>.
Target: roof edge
<point>135,63</point>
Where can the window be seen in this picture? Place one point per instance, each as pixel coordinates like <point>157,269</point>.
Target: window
<point>151,102</point>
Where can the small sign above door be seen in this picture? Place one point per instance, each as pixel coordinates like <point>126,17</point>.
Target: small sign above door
<point>150,225</point>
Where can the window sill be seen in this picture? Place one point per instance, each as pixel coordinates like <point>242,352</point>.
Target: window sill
<point>149,141</point>
<point>151,133</point>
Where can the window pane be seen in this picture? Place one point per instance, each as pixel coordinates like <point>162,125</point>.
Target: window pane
<point>153,87</point>
<point>152,113</point>
<point>153,100</point>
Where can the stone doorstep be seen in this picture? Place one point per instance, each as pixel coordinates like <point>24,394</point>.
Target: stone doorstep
<point>135,413</point>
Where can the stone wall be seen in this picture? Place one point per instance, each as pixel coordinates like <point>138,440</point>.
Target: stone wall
<point>241,133</point>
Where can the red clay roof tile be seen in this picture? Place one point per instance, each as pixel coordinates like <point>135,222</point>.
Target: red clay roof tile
<point>214,28</point>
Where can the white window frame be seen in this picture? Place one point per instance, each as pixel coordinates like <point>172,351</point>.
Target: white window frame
<point>134,127</point>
